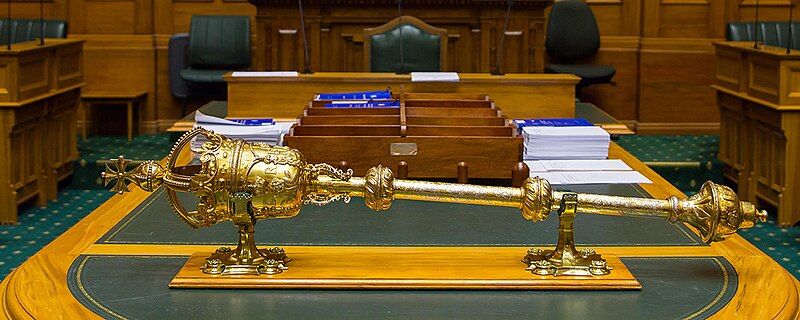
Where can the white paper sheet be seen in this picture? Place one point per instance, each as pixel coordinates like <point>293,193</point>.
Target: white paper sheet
<point>200,117</point>
<point>589,177</point>
<point>578,165</point>
<point>434,77</point>
<point>246,74</point>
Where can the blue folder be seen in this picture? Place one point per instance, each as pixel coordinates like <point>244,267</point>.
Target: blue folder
<point>362,95</point>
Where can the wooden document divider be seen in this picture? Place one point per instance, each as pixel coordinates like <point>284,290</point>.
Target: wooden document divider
<point>430,136</point>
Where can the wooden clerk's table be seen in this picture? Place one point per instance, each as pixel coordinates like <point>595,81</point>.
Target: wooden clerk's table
<point>759,101</point>
<point>91,271</point>
<point>40,87</point>
<point>519,95</point>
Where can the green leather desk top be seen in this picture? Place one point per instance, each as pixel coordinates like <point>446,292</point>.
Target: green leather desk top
<point>135,287</point>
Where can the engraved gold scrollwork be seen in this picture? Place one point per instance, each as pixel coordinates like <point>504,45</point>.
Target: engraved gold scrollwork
<point>324,169</point>
<point>379,188</point>
<point>313,171</point>
<point>537,199</point>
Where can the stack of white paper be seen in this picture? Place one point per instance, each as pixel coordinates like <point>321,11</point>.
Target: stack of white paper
<point>555,143</point>
<point>585,171</point>
<point>269,134</point>
<point>434,77</point>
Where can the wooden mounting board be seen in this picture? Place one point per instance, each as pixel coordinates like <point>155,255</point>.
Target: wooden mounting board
<point>409,268</point>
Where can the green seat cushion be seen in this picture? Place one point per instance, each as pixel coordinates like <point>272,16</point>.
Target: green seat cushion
<point>203,76</point>
<point>589,73</point>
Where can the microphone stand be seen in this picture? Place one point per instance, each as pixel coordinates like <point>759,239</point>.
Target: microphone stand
<point>499,53</point>
<point>755,29</point>
<point>41,22</point>
<point>400,23</point>
<point>8,29</point>
<point>791,27</point>
<point>306,58</point>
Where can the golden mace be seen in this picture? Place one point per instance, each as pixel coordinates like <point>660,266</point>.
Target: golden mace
<point>245,182</point>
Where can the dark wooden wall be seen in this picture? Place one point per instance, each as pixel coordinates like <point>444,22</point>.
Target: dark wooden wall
<point>661,48</point>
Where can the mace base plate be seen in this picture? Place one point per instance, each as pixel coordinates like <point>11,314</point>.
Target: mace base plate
<point>453,268</point>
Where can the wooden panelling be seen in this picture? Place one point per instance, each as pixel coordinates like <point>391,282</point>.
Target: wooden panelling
<point>122,62</point>
<point>661,48</point>
<point>674,80</point>
<point>618,100</point>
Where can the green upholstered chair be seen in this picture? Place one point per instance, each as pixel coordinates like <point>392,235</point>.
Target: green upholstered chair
<point>424,46</point>
<point>29,29</point>
<point>770,33</point>
<point>217,45</point>
<point>573,37</point>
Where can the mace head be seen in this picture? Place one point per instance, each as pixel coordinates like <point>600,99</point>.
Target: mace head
<point>716,212</point>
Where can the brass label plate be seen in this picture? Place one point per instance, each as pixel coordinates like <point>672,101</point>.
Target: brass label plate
<point>403,149</point>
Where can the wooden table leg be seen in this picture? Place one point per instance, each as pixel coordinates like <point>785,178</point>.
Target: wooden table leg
<point>130,120</point>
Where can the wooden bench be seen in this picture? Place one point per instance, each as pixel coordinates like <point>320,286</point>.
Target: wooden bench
<point>130,99</point>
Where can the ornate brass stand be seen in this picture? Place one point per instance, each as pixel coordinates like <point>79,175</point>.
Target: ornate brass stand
<point>246,259</point>
<point>244,182</point>
<point>565,259</point>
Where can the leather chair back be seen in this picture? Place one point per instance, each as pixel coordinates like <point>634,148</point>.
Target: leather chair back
<point>178,60</point>
<point>219,42</point>
<point>771,33</point>
<point>424,46</point>
<point>740,31</point>
<point>572,32</point>
<point>30,29</point>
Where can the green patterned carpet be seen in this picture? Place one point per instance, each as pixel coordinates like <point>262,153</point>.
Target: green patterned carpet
<point>40,225</point>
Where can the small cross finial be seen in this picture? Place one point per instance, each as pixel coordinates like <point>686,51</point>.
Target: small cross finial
<point>122,176</point>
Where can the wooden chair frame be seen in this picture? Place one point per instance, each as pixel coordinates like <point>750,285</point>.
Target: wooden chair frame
<point>409,20</point>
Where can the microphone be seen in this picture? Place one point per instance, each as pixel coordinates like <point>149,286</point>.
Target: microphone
<point>8,29</point>
<point>41,22</point>
<point>400,23</point>
<point>496,70</point>
<point>306,57</point>
<point>791,28</point>
<point>755,29</point>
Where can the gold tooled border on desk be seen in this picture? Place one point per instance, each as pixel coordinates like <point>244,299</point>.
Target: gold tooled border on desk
<point>86,294</point>
<point>716,300</point>
<point>725,280</point>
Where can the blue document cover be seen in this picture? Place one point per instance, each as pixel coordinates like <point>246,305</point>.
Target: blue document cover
<point>553,122</point>
<point>254,122</point>
<point>362,95</point>
<point>371,104</point>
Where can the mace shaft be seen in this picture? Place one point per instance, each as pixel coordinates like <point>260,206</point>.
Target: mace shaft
<point>502,196</point>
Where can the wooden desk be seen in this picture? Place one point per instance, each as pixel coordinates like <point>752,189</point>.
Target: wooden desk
<point>129,99</point>
<point>39,91</point>
<point>602,119</point>
<point>759,102</point>
<point>47,284</point>
<point>518,95</point>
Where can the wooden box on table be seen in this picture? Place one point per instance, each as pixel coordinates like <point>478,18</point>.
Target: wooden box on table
<point>432,133</point>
